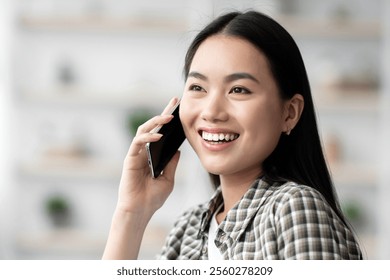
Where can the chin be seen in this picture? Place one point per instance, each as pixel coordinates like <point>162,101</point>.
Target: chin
<point>213,169</point>
<point>216,165</point>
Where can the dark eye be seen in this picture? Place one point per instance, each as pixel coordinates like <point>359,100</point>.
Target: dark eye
<point>239,90</point>
<point>196,88</point>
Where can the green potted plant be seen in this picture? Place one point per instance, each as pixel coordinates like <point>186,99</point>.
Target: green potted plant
<point>58,210</point>
<point>353,211</point>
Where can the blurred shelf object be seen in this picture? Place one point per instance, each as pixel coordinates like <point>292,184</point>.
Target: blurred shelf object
<point>332,29</point>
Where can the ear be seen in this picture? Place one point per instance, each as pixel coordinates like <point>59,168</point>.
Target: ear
<point>292,113</point>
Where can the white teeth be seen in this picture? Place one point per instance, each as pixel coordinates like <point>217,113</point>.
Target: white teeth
<point>216,137</point>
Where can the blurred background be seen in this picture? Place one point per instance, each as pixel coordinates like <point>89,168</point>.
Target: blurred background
<point>78,76</point>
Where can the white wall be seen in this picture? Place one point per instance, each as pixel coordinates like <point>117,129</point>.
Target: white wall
<point>383,209</point>
<point>5,129</point>
<point>109,64</point>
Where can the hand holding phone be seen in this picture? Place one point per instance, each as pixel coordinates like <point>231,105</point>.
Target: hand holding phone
<point>161,152</point>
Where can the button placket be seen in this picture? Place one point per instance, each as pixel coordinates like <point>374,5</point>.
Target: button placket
<point>222,236</point>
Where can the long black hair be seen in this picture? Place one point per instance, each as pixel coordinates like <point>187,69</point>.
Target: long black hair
<point>299,156</point>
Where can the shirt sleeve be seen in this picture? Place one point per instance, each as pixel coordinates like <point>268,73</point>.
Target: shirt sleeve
<point>308,228</point>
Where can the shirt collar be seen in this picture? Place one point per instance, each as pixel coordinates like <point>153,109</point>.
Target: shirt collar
<point>215,201</point>
<point>241,214</point>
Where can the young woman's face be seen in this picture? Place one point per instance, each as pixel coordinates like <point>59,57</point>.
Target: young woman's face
<point>231,110</point>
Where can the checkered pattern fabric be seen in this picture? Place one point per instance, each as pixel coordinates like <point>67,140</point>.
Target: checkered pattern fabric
<point>279,221</point>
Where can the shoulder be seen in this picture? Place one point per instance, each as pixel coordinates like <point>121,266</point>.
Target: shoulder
<point>291,189</point>
<point>306,226</point>
<point>290,204</point>
<point>292,197</point>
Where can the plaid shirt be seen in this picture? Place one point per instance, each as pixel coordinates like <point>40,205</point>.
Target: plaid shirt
<point>288,221</point>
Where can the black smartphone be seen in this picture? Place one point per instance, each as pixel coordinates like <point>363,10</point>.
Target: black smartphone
<point>162,151</point>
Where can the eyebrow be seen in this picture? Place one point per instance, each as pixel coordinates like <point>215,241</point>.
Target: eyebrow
<point>239,76</point>
<point>197,75</point>
<point>229,78</point>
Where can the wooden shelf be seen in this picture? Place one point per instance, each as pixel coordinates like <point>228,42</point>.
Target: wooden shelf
<point>103,24</point>
<point>59,243</point>
<point>339,100</point>
<point>353,174</point>
<point>332,29</point>
<point>95,98</point>
<point>71,168</point>
<point>315,28</point>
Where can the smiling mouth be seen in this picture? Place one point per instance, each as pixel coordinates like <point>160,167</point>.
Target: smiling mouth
<point>219,137</point>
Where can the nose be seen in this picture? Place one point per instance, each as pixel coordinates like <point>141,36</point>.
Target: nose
<point>215,109</point>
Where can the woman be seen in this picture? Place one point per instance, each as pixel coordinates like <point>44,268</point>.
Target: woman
<point>247,112</point>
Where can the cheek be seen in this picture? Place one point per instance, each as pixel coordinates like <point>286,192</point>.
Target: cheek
<point>186,114</point>
<point>264,128</point>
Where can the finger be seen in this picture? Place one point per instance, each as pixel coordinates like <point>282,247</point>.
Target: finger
<point>140,141</point>
<point>170,106</point>
<point>154,122</point>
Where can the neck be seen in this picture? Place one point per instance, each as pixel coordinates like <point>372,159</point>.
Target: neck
<point>233,188</point>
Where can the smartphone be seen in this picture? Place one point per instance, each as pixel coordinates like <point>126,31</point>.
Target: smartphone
<point>161,152</point>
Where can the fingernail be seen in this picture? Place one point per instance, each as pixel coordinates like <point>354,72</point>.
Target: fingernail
<point>157,135</point>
